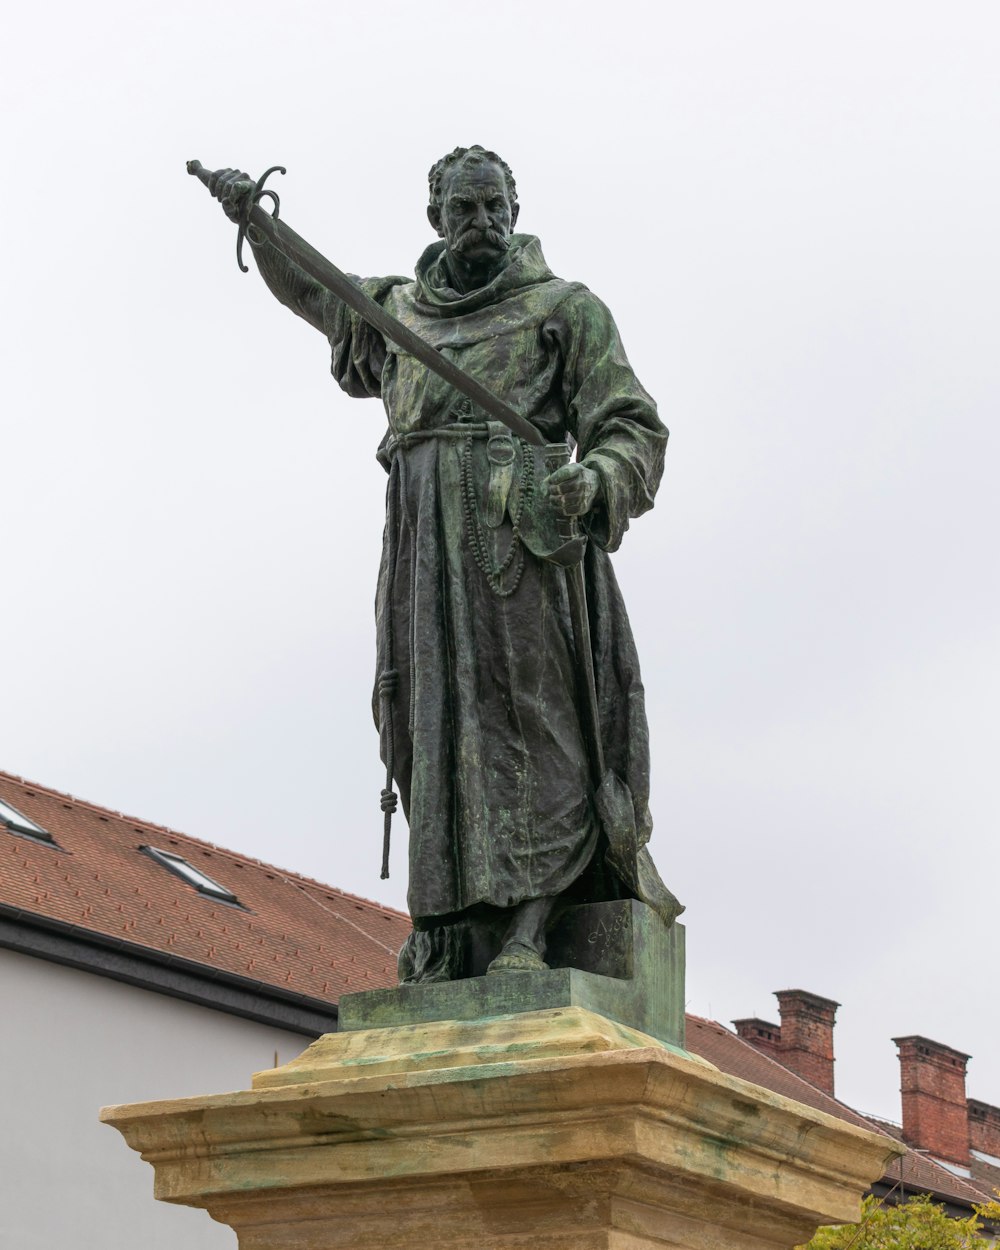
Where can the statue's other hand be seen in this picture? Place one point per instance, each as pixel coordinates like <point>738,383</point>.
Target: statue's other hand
<point>230,187</point>
<point>573,489</point>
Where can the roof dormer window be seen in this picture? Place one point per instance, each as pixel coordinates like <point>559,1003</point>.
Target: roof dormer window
<point>193,876</point>
<point>12,820</point>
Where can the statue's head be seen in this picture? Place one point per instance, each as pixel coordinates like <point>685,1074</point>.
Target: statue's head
<point>473,206</point>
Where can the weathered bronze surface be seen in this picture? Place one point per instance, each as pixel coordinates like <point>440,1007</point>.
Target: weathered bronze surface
<point>507,694</point>
<point>617,959</point>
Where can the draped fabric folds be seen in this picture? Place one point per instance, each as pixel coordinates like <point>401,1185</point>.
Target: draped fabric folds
<point>489,758</point>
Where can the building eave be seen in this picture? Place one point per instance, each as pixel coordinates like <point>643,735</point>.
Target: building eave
<point>163,973</point>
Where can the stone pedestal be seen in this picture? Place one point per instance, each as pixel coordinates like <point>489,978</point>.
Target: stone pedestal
<point>547,1130</point>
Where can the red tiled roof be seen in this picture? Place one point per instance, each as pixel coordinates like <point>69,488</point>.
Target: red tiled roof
<point>296,934</point>
<point>920,1173</point>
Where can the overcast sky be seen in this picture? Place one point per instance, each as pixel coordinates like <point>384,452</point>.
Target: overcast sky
<point>792,210</point>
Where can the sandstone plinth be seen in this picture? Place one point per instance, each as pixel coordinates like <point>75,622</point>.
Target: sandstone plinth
<point>547,1130</point>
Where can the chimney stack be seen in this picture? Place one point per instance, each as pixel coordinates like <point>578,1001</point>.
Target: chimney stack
<point>803,1041</point>
<point>761,1034</point>
<point>807,1035</point>
<point>984,1128</point>
<point>935,1112</point>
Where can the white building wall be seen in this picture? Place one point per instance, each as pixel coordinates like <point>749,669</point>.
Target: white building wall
<point>73,1042</point>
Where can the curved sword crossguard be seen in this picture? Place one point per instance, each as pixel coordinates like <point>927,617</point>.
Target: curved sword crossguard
<point>252,200</point>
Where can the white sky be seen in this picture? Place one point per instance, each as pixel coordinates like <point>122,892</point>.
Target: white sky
<point>792,210</point>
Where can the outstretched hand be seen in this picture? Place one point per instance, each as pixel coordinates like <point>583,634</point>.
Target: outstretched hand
<point>573,489</point>
<point>231,188</point>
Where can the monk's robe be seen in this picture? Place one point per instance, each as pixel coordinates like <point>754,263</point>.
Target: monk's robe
<point>475,637</point>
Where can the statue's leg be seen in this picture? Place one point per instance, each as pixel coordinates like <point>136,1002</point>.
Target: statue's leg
<point>523,947</point>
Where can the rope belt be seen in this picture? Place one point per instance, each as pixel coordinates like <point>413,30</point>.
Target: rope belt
<point>457,429</point>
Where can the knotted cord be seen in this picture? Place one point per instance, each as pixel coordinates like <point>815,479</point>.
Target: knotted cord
<point>388,679</point>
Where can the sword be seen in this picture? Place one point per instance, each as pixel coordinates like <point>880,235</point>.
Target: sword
<point>299,252</point>
<point>611,796</point>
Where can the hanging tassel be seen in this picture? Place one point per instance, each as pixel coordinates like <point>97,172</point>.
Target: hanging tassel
<point>387,683</point>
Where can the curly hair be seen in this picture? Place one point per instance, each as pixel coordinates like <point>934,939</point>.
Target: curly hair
<point>476,155</point>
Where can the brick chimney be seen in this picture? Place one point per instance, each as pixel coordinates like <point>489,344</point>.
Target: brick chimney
<point>984,1128</point>
<point>803,1041</point>
<point>807,1035</point>
<point>761,1034</point>
<point>935,1112</point>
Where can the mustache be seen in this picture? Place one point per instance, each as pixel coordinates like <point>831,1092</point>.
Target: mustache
<point>472,237</point>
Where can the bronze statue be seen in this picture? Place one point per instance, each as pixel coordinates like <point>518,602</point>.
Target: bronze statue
<point>508,694</point>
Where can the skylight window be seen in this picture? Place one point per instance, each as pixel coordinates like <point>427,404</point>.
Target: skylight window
<point>193,876</point>
<point>16,823</point>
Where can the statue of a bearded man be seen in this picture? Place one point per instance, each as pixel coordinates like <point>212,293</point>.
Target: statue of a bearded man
<point>477,692</point>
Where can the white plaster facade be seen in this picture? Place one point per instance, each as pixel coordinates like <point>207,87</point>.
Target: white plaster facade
<point>73,1042</point>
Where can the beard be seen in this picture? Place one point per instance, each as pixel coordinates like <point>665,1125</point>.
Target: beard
<point>472,238</point>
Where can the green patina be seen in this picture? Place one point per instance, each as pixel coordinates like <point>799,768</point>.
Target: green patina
<point>508,694</point>
<point>646,993</point>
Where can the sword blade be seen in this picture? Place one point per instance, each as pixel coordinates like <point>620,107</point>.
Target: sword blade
<point>300,253</point>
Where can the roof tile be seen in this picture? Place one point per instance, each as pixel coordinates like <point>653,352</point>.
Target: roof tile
<point>96,878</point>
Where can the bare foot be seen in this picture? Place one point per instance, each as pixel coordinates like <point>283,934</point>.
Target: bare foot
<point>517,956</point>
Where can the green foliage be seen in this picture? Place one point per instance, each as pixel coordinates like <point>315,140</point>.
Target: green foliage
<point>917,1224</point>
<point>990,1210</point>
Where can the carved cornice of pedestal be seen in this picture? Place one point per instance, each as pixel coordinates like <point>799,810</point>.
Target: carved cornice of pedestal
<point>559,1123</point>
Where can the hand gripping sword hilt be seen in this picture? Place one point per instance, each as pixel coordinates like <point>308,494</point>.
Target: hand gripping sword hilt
<point>556,455</point>
<point>252,200</point>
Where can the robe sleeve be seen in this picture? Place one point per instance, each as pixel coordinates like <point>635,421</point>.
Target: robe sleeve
<point>611,416</point>
<point>358,350</point>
